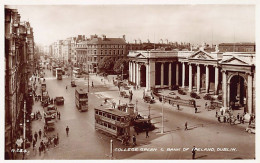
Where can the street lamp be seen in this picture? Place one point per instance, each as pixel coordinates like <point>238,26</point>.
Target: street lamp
<point>136,107</point>
<point>24,128</point>
<point>162,131</point>
<point>149,107</point>
<point>122,67</point>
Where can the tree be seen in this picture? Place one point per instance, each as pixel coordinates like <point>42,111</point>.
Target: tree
<point>119,63</point>
<point>106,64</point>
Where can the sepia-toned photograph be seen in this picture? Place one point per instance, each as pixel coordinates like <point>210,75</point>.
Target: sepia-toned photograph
<point>130,82</point>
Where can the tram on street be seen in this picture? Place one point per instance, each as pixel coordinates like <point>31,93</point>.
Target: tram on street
<point>81,99</point>
<point>76,72</point>
<point>113,122</point>
<point>59,73</point>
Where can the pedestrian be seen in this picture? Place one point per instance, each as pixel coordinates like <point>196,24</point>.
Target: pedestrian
<point>196,109</point>
<point>66,87</point>
<point>193,152</point>
<point>238,117</point>
<point>178,107</point>
<point>57,138</point>
<point>67,130</point>
<point>40,133</point>
<point>147,131</point>
<point>206,105</point>
<point>186,126</point>
<point>92,84</point>
<point>134,140</point>
<point>216,113</point>
<point>40,150</point>
<point>34,143</point>
<point>35,136</point>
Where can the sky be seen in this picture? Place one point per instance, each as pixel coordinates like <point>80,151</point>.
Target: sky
<point>196,24</point>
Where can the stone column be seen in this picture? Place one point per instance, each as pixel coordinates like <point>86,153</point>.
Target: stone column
<point>190,78</point>
<point>183,74</point>
<point>216,79</point>
<point>198,78</point>
<point>207,78</point>
<point>151,74</point>
<point>162,74</point>
<point>250,93</point>
<point>147,77</point>
<point>130,71</point>
<point>224,89</point>
<point>228,94</point>
<point>137,74</point>
<point>177,73</point>
<point>170,75</point>
<point>134,73</point>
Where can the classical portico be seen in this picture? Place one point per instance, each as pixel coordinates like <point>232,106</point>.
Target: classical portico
<point>200,71</point>
<point>238,81</point>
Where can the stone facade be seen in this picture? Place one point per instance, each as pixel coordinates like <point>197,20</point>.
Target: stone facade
<point>203,71</point>
<point>19,58</point>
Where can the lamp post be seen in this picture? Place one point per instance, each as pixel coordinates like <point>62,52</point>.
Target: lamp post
<point>162,131</point>
<point>136,107</point>
<point>24,128</point>
<point>88,78</point>
<point>149,117</point>
<point>122,67</point>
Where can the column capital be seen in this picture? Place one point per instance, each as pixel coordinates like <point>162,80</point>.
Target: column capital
<point>216,66</point>
<point>190,64</point>
<point>206,65</point>
<point>224,71</point>
<point>249,73</point>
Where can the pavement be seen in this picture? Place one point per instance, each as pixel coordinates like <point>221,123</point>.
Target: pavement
<point>202,125</point>
<point>200,103</point>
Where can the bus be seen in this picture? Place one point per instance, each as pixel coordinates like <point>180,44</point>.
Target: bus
<point>113,122</point>
<point>81,99</point>
<point>59,73</point>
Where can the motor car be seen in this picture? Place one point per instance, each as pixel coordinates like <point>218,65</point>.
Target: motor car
<point>73,83</point>
<point>59,100</point>
<point>250,128</point>
<point>51,110</point>
<point>143,124</point>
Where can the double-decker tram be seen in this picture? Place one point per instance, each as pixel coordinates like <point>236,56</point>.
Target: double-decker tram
<point>81,99</point>
<point>113,122</point>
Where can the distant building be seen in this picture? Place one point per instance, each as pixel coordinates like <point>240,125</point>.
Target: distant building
<point>91,51</point>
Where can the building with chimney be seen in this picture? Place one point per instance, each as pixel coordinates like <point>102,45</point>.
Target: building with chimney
<point>91,51</point>
<point>19,66</point>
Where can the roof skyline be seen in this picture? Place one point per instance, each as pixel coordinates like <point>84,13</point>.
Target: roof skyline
<point>176,23</point>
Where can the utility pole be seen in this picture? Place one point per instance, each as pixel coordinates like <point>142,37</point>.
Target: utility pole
<point>136,107</point>
<point>111,149</point>
<point>149,107</point>
<point>162,131</point>
<point>24,128</point>
<point>88,78</point>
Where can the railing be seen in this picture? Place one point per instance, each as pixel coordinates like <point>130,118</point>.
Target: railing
<point>105,129</point>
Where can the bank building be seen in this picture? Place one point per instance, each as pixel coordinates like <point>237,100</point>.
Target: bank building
<point>226,71</point>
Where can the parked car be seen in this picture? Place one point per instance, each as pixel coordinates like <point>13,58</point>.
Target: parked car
<point>59,100</point>
<point>251,128</point>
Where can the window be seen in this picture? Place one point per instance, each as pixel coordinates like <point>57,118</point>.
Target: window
<point>109,51</point>
<point>113,117</point>
<point>118,118</point>
<point>100,113</point>
<point>114,51</point>
<point>101,52</point>
<point>109,125</point>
